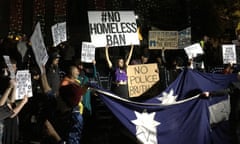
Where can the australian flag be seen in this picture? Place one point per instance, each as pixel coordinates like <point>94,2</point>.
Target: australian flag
<point>178,115</point>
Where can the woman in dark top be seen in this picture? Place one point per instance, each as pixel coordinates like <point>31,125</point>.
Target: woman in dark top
<point>119,75</point>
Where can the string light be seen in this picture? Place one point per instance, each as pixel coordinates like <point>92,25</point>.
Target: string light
<point>16,15</point>
<point>39,11</point>
<point>60,10</point>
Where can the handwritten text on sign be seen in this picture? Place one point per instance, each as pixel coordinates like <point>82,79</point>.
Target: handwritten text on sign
<point>141,78</point>
<point>229,53</point>
<point>59,33</point>
<point>24,84</point>
<point>38,46</point>
<point>113,28</point>
<point>88,52</point>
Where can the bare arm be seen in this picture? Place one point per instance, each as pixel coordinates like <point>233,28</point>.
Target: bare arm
<point>107,57</point>
<point>7,92</point>
<point>13,93</point>
<point>45,86</point>
<point>129,55</point>
<point>19,106</point>
<point>5,96</point>
<point>51,131</point>
<point>94,69</point>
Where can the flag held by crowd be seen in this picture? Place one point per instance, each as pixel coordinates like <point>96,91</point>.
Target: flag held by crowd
<point>177,115</point>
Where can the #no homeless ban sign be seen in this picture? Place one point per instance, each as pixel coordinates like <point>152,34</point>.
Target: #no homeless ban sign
<point>141,78</point>
<point>113,28</point>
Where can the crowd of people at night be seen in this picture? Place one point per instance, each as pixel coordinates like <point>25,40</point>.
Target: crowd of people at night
<point>61,103</point>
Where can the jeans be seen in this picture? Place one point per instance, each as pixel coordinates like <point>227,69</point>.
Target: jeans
<point>75,132</point>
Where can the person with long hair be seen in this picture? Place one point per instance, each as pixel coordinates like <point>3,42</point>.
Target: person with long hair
<point>119,74</point>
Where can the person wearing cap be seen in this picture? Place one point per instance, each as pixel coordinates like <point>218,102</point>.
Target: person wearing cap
<point>69,121</point>
<point>52,71</point>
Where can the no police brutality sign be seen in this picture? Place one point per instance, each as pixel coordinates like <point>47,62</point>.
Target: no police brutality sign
<point>141,78</point>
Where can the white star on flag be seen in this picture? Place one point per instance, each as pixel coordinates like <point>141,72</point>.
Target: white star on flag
<point>168,98</point>
<point>146,130</point>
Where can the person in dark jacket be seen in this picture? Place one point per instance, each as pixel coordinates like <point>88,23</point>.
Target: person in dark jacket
<point>52,71</point>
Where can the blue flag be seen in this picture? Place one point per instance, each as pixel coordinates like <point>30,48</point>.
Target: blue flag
<point>177,115</point>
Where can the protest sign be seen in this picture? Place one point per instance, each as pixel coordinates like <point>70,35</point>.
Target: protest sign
<point>10,67</point>
<point>88,52</point>
<point>163,39</point>
<point>193,50</point>
<point>184,38</point>
<point>38,47</point>
<point>59,33</point>
<point>141,78</point>
<point>24,84</point>
<point>229,53</point>
<point>113,28</point>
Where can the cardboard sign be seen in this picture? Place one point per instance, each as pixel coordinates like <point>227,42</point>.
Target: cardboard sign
<point>193,50</point>
<point>38,47</point>
<point>229,54</point>
<point>88,52</point>
<point>163,39</point>
<point>59,33</point>
<point>24,84</point>
<point>113,28</point>
<point>141,78</point>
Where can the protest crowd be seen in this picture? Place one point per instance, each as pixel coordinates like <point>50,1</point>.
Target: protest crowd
<point>50,99</point>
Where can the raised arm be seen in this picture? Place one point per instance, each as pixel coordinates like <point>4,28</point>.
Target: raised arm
<point>94,69</point>
<point>7,92</point>
<point>14,91</point>
<point>107,57</point>
<point>129,55</point>
<point>45,86</point>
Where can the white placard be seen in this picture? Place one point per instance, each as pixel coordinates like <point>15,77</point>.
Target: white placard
<point>229,54</point>
<point>9,65</point>
<point>113,28</point>
<point>59,33</point>
<point>24,84</point>
<point>88,52</point>
<point>193,50</point>
<point>38,47</point>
